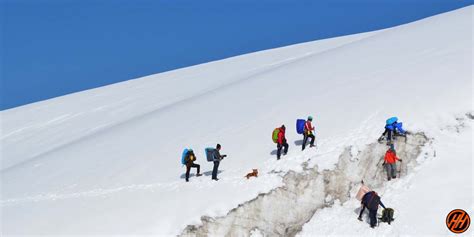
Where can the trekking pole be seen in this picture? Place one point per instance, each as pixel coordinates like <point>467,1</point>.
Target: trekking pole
<point>400,170</point>
<point>375,175</point>
<point>406,169</point>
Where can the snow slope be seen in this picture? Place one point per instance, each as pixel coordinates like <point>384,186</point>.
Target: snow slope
<point>106,161</point>
<point>422,199</point>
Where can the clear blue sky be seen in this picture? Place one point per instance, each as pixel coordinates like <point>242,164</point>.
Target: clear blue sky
<point>55,47</point>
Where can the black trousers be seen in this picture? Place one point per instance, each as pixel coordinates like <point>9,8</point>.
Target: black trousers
<point>305,140</point>
<point>215,169</point>
<point>188,169</point>
<point>388,133</point>
<point>279,147</point>
<point>372,216</point>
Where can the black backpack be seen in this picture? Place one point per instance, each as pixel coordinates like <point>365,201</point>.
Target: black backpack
<point>387,215</point>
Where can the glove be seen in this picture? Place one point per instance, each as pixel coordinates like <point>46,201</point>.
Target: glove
<point>224,156</point>
<point>400,160</point>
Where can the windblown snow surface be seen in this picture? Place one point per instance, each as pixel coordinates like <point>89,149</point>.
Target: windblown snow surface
<point>107,160</point>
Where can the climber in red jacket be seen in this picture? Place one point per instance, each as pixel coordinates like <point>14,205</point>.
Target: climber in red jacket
<point>390,160</point>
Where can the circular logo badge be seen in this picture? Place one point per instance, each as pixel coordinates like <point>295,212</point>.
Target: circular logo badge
<point>458,221</point>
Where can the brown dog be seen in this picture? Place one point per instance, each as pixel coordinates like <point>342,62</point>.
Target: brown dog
<point>254,173</point>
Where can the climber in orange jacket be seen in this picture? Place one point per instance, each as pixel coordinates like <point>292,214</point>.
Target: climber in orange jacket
<point>390,160</point>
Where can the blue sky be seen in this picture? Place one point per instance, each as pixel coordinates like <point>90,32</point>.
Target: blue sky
<point>55,47</point>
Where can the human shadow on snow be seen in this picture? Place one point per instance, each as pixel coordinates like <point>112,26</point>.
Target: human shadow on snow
<point>299,142</point>
<point>207,173</point>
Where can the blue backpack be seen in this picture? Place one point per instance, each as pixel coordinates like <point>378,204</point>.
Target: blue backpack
<point>391,120</point>
<point>183,156</point>
<point>399,127</point>
<point>209,154</point>
<point>300,126</point>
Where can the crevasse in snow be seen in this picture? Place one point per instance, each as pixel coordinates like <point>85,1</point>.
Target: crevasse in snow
<point>284,210</point>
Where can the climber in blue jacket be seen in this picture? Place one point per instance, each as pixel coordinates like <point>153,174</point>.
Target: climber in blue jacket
<point>393,128</point>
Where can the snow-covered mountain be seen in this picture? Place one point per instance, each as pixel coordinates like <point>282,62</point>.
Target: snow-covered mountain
<point>107,160</point>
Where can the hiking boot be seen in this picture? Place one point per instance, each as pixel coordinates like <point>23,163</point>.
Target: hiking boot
<point>359,218</point>
<point>389,179</point>
<point>216,179</point>
<point>311,145</point>
<point>187,180</point>
<point>198,175</point>
<point>394,177</point>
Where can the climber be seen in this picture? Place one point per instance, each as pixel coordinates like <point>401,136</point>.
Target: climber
<point>390,160</point>
<point>281,142</point>
<point>371,201</point>
<point>217,159</point>
<point>189,159</point>
<point>308,133</point>
<point>392,128</point>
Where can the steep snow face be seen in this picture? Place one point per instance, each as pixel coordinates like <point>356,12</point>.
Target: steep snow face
<point>440,183</point>
<point>106,161</point>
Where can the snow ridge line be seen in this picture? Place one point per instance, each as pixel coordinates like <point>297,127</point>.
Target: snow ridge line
<point>251,74</point>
